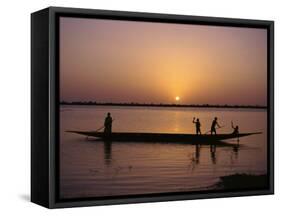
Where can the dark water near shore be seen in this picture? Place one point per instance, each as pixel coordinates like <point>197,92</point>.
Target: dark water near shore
<point>94,168</point>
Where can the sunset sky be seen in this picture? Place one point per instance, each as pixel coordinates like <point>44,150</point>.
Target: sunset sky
<point>145,62</point>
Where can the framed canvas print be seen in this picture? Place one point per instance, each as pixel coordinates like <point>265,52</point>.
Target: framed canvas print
<point>138,107</point>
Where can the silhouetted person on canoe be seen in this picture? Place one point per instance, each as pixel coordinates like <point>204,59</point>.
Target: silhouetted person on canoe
<point>197,125</point>
<point>107,124</point>
<point>235,129</point>
<point>214,124</point>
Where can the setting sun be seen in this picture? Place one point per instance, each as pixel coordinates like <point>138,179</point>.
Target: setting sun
<point>177,98</point>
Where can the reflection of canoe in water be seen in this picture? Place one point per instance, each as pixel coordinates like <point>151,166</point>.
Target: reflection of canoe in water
<point>162,137</point>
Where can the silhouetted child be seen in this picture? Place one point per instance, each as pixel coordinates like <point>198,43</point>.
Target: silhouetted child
<point>235,129</point>
<point>197,125</point>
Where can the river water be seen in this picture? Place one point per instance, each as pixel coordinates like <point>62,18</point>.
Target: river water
<point>90,168</point>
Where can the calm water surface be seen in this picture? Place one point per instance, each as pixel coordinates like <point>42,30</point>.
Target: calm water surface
<point>93,168</point>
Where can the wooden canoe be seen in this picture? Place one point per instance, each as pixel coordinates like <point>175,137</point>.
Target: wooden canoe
<point>161,137</point>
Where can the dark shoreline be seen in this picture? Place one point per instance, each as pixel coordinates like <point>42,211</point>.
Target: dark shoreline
<point>165,105</point>
<point>242,181</point>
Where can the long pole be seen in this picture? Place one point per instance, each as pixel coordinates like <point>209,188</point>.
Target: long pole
<point>217,128</point>
<point>99,129</point>
<point>102,127</point>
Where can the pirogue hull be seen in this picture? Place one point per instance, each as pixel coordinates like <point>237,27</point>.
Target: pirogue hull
<point>162,137</point>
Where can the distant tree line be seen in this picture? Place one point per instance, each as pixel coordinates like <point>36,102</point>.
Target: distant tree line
<point>161,104</point>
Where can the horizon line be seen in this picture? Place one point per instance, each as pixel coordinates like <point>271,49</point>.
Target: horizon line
<point>161,104</point>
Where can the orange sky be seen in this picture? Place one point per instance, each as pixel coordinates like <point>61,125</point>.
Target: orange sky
<point>125,61</point>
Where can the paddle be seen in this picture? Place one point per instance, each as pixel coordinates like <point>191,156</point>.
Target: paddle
<point>232,124</point>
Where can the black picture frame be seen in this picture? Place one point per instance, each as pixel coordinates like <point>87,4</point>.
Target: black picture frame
<point>45,105</point>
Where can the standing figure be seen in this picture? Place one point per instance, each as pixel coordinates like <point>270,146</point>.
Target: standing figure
<point>214,124</point>
<point>197,125</point>
<point>107,124</point>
